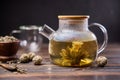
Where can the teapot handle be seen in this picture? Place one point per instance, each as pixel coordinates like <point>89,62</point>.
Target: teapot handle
<point>104,44</point>
<point>16,31</point>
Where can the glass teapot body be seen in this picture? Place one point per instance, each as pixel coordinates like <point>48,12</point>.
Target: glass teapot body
<point>73,44</point>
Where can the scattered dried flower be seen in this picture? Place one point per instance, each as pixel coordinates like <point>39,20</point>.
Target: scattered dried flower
<point>37,60</point>
<point>101,61</point>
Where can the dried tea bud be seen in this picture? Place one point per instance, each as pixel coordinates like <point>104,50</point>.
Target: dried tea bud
<point>24,58</point>
<point>101,61</point>
<point>8,39</point>
<point>37,60</point>
<point>31,55</point>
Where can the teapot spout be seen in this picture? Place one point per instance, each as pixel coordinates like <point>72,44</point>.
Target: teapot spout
<point>46,31</point>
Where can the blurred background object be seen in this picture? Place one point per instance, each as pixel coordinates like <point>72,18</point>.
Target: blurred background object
<point>15,13</point>
<point>30,39</point>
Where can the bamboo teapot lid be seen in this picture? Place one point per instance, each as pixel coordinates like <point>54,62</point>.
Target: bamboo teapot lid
<point>73,16</point>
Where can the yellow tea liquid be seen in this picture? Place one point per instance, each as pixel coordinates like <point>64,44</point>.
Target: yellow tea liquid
<point>75,53</point>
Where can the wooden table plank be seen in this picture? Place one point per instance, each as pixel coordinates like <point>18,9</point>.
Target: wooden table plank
<point>48,71</point>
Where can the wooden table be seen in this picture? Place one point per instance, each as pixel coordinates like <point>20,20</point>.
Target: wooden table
<point>48,71</point>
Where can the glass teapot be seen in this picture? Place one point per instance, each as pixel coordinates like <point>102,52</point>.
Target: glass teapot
<point>73,44</point>
<point>30,39</point>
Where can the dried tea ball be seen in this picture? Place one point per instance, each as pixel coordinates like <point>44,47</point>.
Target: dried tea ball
<point>24,58</point>
<point>101,61</point>
<point>31,55</point>
<point>37,60</point>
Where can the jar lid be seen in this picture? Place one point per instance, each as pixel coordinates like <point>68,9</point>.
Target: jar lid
<point>28,27</point>
<point>73,16</point>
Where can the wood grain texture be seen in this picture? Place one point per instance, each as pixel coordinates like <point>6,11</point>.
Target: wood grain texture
<point>48,71</point>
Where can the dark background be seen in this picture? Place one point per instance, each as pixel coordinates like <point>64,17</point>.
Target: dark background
<point>14,13</point>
